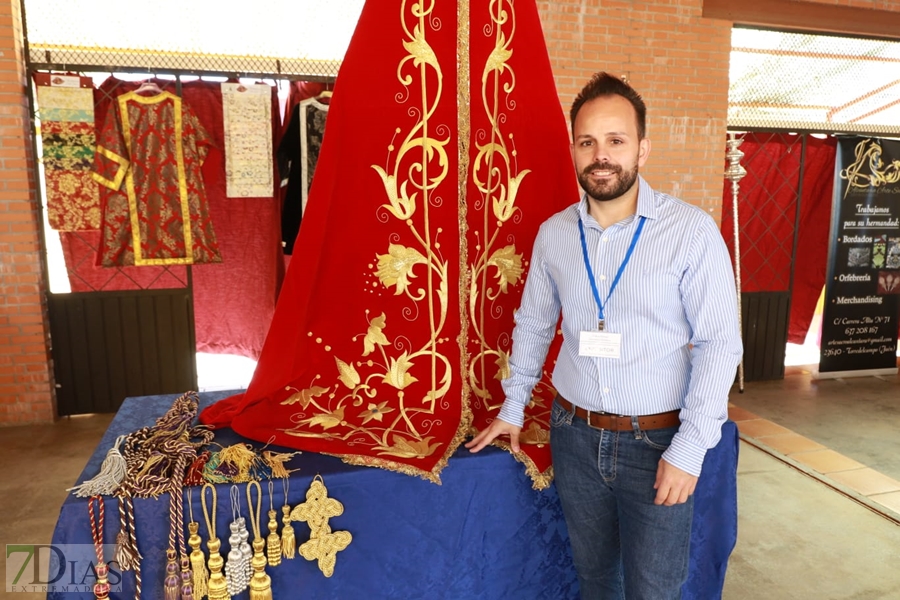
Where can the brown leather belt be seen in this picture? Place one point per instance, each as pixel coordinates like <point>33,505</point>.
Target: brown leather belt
<point>612,422</point>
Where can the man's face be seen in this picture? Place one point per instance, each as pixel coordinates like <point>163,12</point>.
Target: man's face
<point>606,147</point>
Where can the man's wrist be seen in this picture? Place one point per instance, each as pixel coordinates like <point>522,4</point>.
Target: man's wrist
<point>512,412</point>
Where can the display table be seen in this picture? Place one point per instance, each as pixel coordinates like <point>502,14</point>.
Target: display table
<point>483,534</point>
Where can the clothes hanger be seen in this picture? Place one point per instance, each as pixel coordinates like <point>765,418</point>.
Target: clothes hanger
<point>148,86</point>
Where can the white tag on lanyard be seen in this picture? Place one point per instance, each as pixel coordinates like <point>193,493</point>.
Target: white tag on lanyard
<point>600,344</point>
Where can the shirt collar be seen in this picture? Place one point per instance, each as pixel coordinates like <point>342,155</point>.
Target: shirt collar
<point>646,202</point>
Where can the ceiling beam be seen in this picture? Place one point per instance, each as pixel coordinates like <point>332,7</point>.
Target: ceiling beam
<point>804,15</point>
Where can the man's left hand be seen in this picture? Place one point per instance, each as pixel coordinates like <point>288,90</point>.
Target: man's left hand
<point>673,486</point>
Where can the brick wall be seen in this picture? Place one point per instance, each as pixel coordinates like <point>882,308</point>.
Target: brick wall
<point>677,60</point>
<point>25,380</point>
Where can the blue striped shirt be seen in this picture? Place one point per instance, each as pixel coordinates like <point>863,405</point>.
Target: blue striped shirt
<point>675,307</point>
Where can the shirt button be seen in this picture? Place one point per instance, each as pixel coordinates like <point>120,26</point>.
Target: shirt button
<point>605,390</point>
<point>603,278</point>
<point>605,239</point>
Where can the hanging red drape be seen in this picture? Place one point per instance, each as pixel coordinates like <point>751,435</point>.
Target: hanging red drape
<point>767,211</point>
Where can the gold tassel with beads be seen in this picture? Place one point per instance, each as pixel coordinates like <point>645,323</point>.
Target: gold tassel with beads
<point>260,582</point>
<point>273,543</point>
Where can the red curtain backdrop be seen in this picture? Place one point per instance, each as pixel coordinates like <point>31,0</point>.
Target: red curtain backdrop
<point>234,300</point>
<point>767,205</point>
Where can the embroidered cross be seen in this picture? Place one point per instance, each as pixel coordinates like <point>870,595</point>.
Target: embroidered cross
<point>316,511</point>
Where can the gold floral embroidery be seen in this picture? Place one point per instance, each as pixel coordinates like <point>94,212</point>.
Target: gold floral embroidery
<point>498,179</point>
<point>386,399</point>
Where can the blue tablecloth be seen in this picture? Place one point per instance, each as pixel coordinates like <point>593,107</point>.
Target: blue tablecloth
<point>483,534</point>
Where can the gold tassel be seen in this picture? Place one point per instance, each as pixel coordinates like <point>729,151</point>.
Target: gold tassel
<point>276,461</point>
<point>172,589</point>
<point>242,457</point>
<point>260,582</point>
<point>273,543</point>
<point>288,541</point>
<point>218,587</point>
<point>198,562</point>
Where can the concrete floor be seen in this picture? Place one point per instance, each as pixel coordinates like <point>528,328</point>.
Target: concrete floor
<point>819,500</point>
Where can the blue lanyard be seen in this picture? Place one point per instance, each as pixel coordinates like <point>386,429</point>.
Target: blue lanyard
<point>590,272</point>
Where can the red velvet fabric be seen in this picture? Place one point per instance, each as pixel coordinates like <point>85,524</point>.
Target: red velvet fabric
<point>532,158</point>
<point>767,213</point>
<point>234,300</point>
<point>401,305</point>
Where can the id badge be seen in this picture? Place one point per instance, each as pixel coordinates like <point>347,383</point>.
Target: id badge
<point>600,344</point>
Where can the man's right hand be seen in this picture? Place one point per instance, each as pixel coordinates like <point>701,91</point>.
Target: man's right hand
<point>495,429</point>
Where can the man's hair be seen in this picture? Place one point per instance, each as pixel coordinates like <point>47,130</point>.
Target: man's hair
<point>603,84</point>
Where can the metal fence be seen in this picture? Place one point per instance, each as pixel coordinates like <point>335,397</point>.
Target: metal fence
<point>281,38</point>
<point>813,83</point>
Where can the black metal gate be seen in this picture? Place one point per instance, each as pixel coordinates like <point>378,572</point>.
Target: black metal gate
<point>111,345</point>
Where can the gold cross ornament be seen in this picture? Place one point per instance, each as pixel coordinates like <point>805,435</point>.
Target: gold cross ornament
<point>323,545</point>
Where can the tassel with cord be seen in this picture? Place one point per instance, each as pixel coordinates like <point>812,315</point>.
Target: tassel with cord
<point>260,582</point>
<point>198,561</point>
<point>273,543</point>
<point>171,586</point>
<point>107,481</point>
<point>217,586</point>
<point>288,540</point>
<point>199,574</point>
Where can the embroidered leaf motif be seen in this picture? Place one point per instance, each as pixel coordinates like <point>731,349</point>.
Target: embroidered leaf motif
<point>374,335</point>
<point>348,374</point>
<point>534,435</point>
<point>397,375</point>
<point>401,206</point>
<point>326,420</point>
<point>304,397</point>
<point>420,50</point>
<point>498,58</point>
<point>406,448</point>
<point>396,266</point>
<point>536,402</point>
<point>502,363</point>
<point>376,412</point>
<point>509,266</point>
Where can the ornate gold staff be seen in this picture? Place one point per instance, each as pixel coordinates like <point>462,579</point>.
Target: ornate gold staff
<point>734,173</point>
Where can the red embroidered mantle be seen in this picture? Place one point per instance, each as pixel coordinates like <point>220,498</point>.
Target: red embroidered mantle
<point>446,148</point>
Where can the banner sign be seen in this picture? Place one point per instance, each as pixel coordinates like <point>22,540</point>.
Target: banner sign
<point>862,287</point>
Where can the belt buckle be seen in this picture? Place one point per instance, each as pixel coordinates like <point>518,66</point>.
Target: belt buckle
<point>587,418</point>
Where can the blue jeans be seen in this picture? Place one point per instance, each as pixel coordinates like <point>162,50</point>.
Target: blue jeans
<point>623,545</point>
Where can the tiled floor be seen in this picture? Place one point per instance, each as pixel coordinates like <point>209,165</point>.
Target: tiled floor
<point>799,401</point>
<point>819,498</point>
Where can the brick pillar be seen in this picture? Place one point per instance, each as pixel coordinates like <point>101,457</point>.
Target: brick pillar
<point>26,388</point>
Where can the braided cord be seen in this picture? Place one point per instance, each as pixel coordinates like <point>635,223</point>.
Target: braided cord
<point>254,514</point>
<point>97,527</point>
